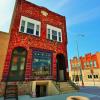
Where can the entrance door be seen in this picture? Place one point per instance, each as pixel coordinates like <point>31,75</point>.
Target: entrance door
<point>17,67</point>
<point>61,68</point>
<point>61,75</point>
<point>40,90</point>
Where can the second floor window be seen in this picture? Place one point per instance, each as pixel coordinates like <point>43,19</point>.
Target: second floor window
<point>59,36</point>
<point>22,26</point>
<point>91,63</point>
<point>73,65</point>
<point>37,30</point>
<point>54,33</point>
<point>48,35</point>
<point>30,26</point>
<point>79,64</point>
<point>95,65</point>
<point>85,64</point>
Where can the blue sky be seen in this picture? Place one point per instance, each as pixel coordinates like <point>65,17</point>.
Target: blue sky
<point>82,17</point>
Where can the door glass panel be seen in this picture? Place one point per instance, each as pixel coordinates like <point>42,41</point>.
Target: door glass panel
<point>22,63</point>
<point>14,63</point>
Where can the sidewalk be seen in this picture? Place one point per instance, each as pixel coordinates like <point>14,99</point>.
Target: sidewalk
<point>59,97</point>
<point>93,93</point>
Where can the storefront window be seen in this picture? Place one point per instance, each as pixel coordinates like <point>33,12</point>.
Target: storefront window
<point>41,66</point>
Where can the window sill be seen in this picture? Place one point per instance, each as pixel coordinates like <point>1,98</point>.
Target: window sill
<point>53,41</point>
<point>29,34</point>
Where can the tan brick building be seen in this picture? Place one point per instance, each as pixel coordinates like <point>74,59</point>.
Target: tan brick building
<point>89,66</point>
<point>4,39</point>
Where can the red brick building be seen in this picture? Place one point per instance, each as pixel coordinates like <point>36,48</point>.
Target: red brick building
<point>37,46</point>
<point>90,66</point>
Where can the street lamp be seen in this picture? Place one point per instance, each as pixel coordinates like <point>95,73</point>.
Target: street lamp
<point>79,59</point>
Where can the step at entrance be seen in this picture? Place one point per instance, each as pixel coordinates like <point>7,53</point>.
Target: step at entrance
<point>11,91</point>
<point>65,87</point>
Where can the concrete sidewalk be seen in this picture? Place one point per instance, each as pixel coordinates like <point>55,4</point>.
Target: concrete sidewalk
<point>58,97</point>
<point>93,93</point>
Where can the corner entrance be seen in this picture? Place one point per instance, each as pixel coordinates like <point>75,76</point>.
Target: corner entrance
<point>17,64</point>
<point>61,67</point>
<point>41,90</point>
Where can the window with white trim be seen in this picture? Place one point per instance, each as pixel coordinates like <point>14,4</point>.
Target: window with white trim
<point>22,26</point>
<point>30,26</point>
<point>48,34</point>
<point>59,36</point>
<point>91,63</point>
<point>73,65</point>
<point>85,64</point>
<point>37,30</point>
<point>95,64</point>
<point>79,64</point>
<point>54,33</point>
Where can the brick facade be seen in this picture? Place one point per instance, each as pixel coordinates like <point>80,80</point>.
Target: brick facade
<point>90,66</point>
<point>29,42</point>
<point>87,58</point>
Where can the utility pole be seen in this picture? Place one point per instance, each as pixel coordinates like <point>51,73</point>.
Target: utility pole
<point>80,67</point>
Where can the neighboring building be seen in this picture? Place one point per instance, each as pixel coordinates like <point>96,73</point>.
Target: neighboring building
<point>89,66</point>
<point>37,50</point>
<point>4,39</point>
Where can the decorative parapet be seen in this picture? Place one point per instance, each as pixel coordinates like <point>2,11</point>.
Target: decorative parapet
<point>44,13</point>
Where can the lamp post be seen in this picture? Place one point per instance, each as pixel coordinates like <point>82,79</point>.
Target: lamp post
<point>80,67</point>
